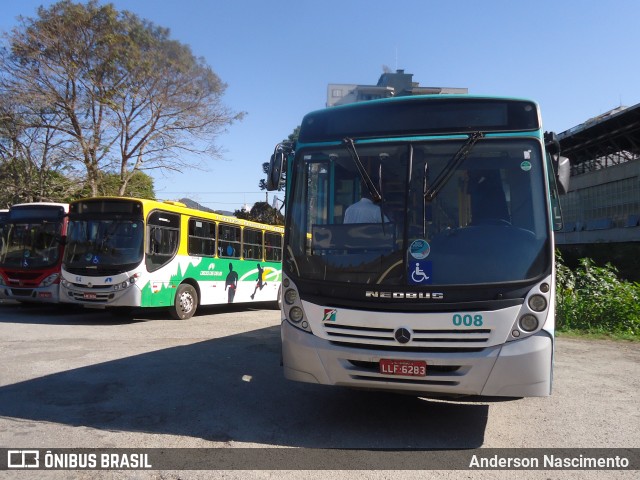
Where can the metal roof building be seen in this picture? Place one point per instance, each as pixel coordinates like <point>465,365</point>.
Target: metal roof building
<point>603,202</point>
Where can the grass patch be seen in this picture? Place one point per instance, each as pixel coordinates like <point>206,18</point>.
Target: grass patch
<point>592,300</point>
<point>579,334</point>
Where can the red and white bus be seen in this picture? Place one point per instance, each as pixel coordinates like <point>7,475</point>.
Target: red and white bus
<point>31,248</point>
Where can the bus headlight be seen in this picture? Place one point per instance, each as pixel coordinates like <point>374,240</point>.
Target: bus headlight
<point>528,322</point>
<point>50,280</point>
<point>537,303</point>
<point>296,314</point>
<point>290,296</point>
<point>126,283</point>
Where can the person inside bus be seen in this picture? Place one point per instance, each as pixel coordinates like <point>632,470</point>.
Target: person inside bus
<point>364,211</point>
<point>226,250</point>
<point>488,201</point>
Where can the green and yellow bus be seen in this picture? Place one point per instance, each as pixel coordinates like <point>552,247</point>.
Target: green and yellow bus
<point>130,252</point>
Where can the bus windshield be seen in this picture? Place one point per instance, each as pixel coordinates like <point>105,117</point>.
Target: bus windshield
<point>486,222</point>
<point>103,244</point>
<point>30,244</point>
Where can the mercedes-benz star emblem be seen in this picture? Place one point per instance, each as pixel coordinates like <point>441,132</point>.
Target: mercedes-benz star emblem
<point>402,335</point>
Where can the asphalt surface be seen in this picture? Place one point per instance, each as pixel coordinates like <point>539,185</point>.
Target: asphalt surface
<point>76,378</point>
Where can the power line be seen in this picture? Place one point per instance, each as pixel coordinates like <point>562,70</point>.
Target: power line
<point>212,193</point>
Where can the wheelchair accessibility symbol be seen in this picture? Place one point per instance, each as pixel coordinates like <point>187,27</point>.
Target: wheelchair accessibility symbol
<point>419,272</point>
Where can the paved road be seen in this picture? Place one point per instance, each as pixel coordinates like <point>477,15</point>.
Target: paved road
<point>81,378</point>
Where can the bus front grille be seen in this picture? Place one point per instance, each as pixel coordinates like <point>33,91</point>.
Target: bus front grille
<point>22,292</point>
<point>420,338</point>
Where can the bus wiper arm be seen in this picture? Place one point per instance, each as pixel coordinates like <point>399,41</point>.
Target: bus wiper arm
<point>450,168</point>
<point>366,179</point>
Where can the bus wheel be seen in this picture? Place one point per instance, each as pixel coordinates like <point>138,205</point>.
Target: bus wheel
<point>185,303</point>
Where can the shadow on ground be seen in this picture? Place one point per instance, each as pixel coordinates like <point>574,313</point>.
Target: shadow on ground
<point>232,388</point>
<point>72,314</point>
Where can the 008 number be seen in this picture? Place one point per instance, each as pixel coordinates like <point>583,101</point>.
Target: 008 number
<point>467,320</point>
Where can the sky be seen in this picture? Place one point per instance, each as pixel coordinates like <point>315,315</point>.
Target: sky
<point>576,58</point>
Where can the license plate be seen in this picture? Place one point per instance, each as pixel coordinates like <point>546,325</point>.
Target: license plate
<point>89,296</point>
<point>410,368</point>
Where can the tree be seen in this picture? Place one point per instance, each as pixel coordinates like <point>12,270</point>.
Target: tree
<point>292,139</point>
<point>32,166</point>
<point>261,212</point>
<point>126,95</point>
<point>140,186</point>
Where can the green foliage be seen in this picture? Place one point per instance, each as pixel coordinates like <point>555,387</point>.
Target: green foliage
<point>140,186</point>
<point>261,212</point>
<point>592,299</point>
<point>23,182</point>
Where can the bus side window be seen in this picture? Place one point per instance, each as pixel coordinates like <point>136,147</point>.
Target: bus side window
<point>273,243</point>
<point>229,241</point>
<point>202,238</point>
<point>163,233</point>
<point>252,243</point>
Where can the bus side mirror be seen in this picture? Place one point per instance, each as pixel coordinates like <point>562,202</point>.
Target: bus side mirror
<point>563,172</point>
<point>561,164</point>
<point>274,175</point>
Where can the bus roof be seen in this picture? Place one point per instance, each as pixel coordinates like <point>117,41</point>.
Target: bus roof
<point>64,206</point>
<point>177,207</point>
<point>420,115</point>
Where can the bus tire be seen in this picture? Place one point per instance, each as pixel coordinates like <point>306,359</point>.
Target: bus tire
<point>184,303</point>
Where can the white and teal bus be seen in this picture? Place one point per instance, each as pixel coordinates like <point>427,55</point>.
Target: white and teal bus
<point>130,252</point>
<point>448,287</point>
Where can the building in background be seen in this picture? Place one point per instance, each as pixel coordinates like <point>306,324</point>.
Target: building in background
<point>603,203</point>
<point>389,85</point>
<point>601,211</point>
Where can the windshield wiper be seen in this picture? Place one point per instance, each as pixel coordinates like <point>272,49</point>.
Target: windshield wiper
<point>442,179</point>
<point>366,179</point>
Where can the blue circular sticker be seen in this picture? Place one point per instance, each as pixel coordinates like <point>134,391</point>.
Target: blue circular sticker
<point>419,249</point>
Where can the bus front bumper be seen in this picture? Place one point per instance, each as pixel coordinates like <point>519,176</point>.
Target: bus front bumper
<point>50,294</point>
<point>97,298</point>
<point>521,368</point>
